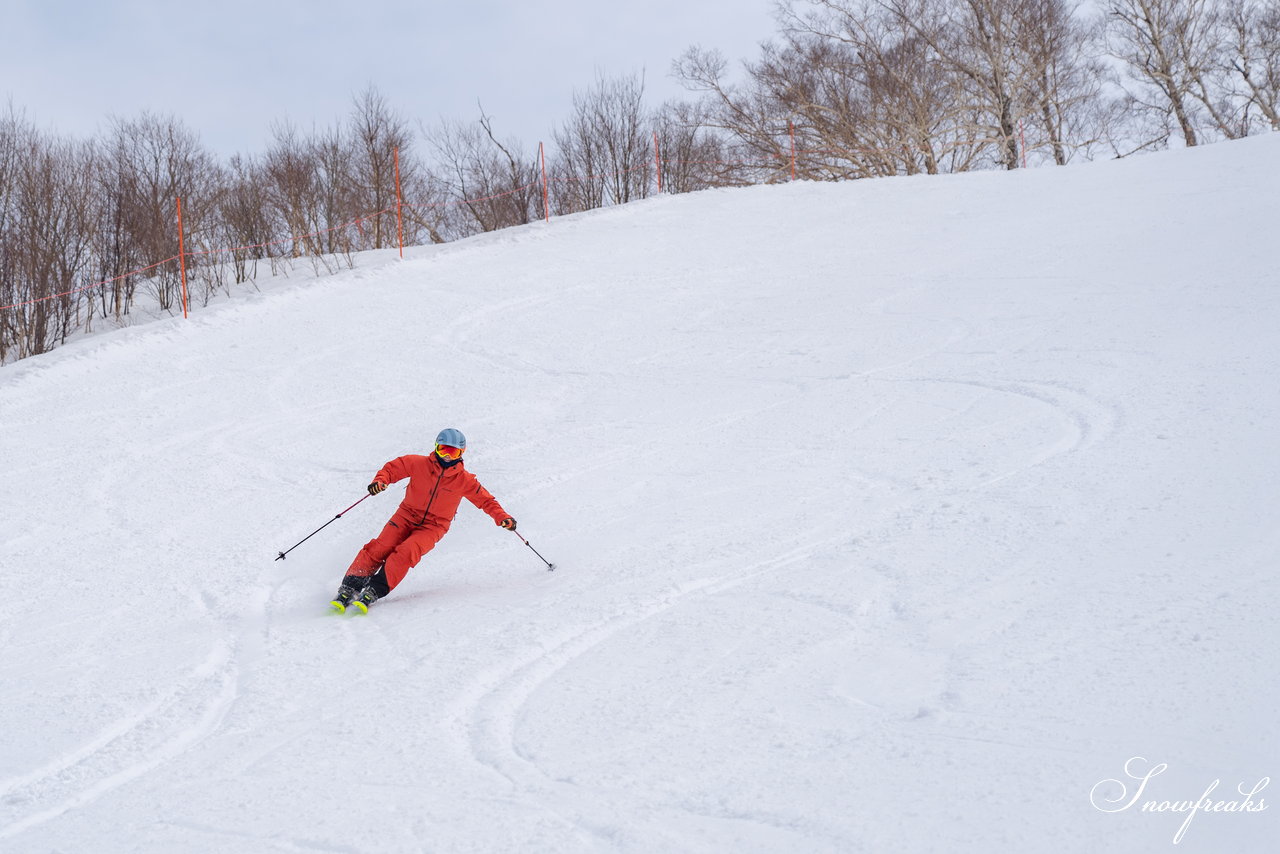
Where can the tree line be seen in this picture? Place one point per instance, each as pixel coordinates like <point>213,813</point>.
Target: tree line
<point>845,89</point>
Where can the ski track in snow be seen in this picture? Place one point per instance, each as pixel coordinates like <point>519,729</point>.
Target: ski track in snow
<point>158,733</point>
<point>1086,420</point>
<point>490,708</point>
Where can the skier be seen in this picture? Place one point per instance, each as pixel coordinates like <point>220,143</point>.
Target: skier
<point>437,484</point>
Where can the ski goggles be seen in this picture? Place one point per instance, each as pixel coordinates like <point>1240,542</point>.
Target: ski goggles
<point>449,452</point>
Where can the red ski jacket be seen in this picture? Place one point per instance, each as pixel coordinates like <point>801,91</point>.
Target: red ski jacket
<point>435,491</point>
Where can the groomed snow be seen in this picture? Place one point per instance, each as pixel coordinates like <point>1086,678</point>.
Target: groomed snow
<point>890,516</point>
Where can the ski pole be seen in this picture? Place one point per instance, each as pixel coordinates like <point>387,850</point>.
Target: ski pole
<point>550,566</point>
<point>316,531</point>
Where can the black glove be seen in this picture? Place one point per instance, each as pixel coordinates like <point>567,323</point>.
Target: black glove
<point>508,523</point>
<point>376,487</point>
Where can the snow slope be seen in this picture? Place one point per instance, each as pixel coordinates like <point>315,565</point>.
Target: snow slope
<point>890,516</point>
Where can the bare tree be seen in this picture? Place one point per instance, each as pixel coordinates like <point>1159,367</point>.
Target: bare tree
<point>1164,42</point>
<point>1213,81</point>
<point>151,162</point>
<point>13,129</point>
<point>870,95</point>
<point>378,133</point>
<point>816,82</point>
<point>752,122</point>
<point>244,218</point>
<point>691,151</point>
<point>49,255</point>
<point>884,87</point>
<point>339,194</point>
<point>1253,55</point>
<point>604,151</point>
<point>988,46</point>
<point>1065,108</point>
<point>293,187</point>
<point>426,210</point>
<point>487,183</point>
<point>915,119</point>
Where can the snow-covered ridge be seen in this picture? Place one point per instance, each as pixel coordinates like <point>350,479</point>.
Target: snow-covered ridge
<point>888,516</point>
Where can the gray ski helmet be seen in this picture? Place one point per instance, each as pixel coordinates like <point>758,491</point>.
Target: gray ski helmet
<point>451,437</point>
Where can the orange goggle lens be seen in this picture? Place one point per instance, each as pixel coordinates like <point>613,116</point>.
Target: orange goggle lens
<point>448,452</point>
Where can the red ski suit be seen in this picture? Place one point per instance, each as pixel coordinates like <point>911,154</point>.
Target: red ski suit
<point>429,505</point>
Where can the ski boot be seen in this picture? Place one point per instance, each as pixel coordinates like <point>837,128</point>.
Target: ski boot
<point>366,598</point>
<point>346,594</point>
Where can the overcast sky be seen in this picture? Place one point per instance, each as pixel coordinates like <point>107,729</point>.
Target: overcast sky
<point>229,68</point>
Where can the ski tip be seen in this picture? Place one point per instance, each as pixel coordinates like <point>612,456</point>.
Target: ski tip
<point>359,607</point>
<point>336,607</point>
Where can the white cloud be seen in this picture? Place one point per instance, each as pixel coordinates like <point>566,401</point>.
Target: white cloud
<point>229,69</point>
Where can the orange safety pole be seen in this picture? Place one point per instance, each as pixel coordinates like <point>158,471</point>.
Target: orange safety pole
<point>657,160</point>
<point>182,260</point>
<point>791,128</point>
<point>546,199</point>
<point>399,219</point>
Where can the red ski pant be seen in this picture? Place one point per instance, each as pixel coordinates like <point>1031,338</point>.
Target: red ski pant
<point>401,545</point>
